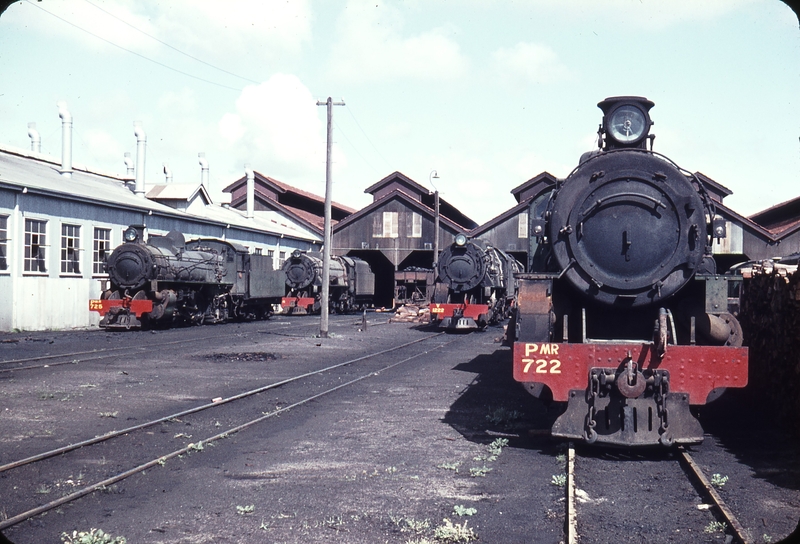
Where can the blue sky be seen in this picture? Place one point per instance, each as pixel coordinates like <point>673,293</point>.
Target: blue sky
<point>488,93</point>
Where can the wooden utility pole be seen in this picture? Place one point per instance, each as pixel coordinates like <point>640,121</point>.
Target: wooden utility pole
<point>326,237</point>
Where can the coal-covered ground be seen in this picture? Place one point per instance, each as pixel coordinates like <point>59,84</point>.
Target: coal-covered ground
<point>445,439</point>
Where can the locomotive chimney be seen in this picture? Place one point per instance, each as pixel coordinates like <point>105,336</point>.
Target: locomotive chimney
<point>141,143</point>
<point>66,140</point>
<point>203,170</point>
<point>36,140</point>
<point>251,190</point>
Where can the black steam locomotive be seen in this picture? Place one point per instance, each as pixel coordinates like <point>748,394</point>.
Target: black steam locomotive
<point>167,280</point>
<point>623,314</point>
<point>475,286</point>
<point>351,286</point>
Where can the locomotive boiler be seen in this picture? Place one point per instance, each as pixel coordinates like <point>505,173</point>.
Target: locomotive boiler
<point>351,283</point>
<point>475,286</point>
<point>623,317</point>
<point>167,280</point>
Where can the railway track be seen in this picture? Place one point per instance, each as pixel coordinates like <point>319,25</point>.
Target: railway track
<point>82,356</point>
<point>734,530</point>
<point>37,473</point>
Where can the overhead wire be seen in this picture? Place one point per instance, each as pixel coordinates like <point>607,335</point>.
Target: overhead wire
<point>349,109</point>
<point>238,89</point>
<point>170,46</point>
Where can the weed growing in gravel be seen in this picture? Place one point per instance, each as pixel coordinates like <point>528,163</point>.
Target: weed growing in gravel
<point>503,416</point>
<point>561,459</point>
<point>718,480</point>
<point>109,414</point>
<point>245,510</point>
<point>42,490</point>
<point>453,532</point>
<point>559,480</point>
<point>450,466</point>
<point>477,472</point>
<point>196,447</point>
<point>93,536</point>
<point>766,538</point>
<point>715,527</point>
<point>391,470</point>
<point>461,510</point>
<point>410,525</point>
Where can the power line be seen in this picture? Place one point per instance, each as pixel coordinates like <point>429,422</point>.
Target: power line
<point>134,52</point>
<point>367,137</point>
<point>354,147</point>
<point>170,46</point>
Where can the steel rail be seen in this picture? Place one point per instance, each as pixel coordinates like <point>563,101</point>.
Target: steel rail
<point>128,348</point>
<point>113,434</point>
<point>195,446</point>
<point>740,533</point>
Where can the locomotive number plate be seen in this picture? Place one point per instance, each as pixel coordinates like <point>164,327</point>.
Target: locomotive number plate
<point>541,365</point>
<point>436,310</point>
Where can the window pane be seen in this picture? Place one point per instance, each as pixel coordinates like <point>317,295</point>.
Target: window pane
<point>35,245</point>
<point>3,242</point>
<point>70,249</point>
<point>100,249</point>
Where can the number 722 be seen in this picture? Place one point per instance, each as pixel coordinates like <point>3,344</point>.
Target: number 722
<point>543,366</point>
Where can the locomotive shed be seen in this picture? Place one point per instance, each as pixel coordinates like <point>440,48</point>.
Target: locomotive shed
<point>370,462</point>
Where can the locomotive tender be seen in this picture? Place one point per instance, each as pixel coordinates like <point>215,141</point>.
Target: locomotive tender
<point>351,285</point>
<point>475,286</point>
<point>623,315</point>
<point>167,280</point>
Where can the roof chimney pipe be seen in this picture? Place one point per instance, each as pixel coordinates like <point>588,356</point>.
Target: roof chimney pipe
<point>251,190</point>
<point>66,140</point>
<point>141,143</point>
<point>167,174</point>
<point>36,140</point>
<point>203,170</point>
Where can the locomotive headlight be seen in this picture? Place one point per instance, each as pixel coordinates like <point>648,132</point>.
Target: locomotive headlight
<point>627,124</point>
<point>461,240</point>
<point>130,234</point>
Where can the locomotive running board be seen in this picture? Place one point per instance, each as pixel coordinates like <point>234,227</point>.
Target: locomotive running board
<point>628,422</point>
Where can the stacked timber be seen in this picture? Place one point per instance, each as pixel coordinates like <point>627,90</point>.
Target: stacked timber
<point>770,317</point>
<point>411,313</point>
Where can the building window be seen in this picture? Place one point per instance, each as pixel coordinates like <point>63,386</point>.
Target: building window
<point>281,258</point>
<point>522,228</point>
<point>3,242</point>
<point>414,225</point>
<point>385,225</point>
<point>270,253</point>
<point>35,245</point>
<point>102,246</point>
<point>70,249</point>
<point>258,251</point>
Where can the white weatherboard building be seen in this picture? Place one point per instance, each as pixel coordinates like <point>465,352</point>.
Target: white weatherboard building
<point>58,221</point>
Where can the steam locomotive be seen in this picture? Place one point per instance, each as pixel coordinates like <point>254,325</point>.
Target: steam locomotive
<point>351,285</point>
<point>167,280</point>
<point>623,315</point>
<point>475,286</point>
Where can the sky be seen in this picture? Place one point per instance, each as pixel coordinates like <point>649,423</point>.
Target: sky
<point>487,93</point>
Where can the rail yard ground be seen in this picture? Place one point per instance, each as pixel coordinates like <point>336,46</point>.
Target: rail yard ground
<point>441,447</point>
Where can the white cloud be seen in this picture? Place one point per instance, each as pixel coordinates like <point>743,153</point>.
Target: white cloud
<point>277,128</point>
<point>373,47</point>
<point>527,63</point>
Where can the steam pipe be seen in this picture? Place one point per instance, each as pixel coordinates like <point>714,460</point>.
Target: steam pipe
<point>66,140</point>
<point>141,143</point>
<point>36,140</point>
<point>251,189</point>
